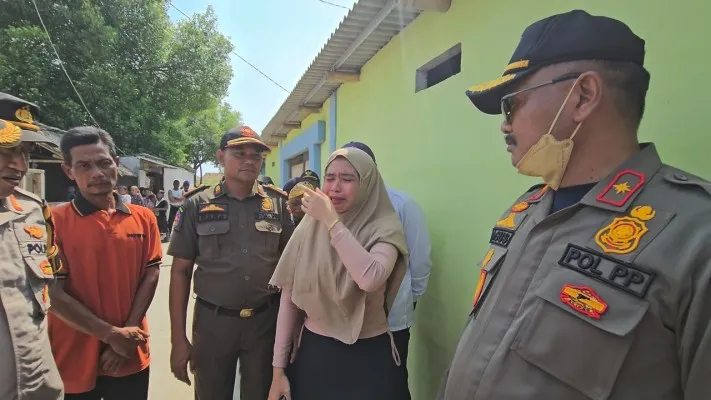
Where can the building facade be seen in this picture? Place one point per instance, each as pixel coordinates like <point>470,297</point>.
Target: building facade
<point>405,98</point>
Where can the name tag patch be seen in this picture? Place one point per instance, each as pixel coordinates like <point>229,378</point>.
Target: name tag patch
<point>266,216</point>
<point>36,248</point>
<point>501,237</point>
<point>615,273</point>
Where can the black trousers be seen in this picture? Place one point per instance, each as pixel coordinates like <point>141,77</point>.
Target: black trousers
<point>171,217</point>
<point>219,341</point>
<point>326,369</point>
<point>402,342</point>
<point>134,387</point>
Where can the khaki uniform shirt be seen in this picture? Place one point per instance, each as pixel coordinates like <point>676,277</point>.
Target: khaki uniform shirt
<point>236,244</point>
<point>27,368</point>
<point>607,299</point>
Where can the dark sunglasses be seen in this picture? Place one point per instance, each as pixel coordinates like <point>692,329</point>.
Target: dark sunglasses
<point>507,103</point>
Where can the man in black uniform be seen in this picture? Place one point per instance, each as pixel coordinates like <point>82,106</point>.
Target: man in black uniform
<point>235,233</point>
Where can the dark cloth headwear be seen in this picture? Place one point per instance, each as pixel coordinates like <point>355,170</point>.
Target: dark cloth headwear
<point>17,122</point>
<point>291,183</point>
<point>240,136</point>
<point>572,36</point>
<point>361,146</point>
<point>311,176</point>
<point>265,180</point>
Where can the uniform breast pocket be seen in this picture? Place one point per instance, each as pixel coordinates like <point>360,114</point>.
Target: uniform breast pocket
<point>268,231</point>
<point>39,275</point>
<point>211,236</point>
<point>580,331</point>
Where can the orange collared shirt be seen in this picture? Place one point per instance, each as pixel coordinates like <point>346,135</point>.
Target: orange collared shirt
<point>106,255</point>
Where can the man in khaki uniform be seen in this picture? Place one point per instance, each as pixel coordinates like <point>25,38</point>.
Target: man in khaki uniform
<point>596,285</point>
<point>27,265</point>
<point>235,233</point>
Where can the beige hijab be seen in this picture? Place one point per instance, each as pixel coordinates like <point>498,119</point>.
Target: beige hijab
<point>311,267</point>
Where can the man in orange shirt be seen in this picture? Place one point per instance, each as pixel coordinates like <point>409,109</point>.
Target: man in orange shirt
<point>112,255</point>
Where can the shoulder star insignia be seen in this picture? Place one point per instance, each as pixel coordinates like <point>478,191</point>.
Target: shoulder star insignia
<point>623,187</point>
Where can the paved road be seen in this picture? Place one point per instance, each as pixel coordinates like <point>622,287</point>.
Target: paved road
<point>163,385</point>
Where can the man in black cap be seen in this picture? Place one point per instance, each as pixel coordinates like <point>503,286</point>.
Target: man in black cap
<point>596,283</point>
<point>265,180</point>
<point>235,233</point>
<point>295,189</point>
<point>28,264</point>
<point>311,176</point>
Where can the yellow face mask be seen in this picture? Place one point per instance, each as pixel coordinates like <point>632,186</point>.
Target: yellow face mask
<point>549,157</point>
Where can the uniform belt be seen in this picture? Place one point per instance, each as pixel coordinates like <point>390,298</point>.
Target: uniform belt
<point>242,313</point>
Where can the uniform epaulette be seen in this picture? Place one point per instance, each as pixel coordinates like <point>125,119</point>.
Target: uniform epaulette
<point>52,250</point>
<point>679,177</point>
<point>30,195</point>
<point>276,189</point>
<point>535,187</point>
<point>195,191</point>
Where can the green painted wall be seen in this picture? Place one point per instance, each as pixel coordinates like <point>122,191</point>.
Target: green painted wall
<point>438,147</point>
<point>274,171</point>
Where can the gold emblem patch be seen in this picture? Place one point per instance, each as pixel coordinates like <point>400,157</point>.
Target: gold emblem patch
<point>24,115</point>
<point>34,231</point>
<point>46,268</point>
<point>508,222</point>
<point>211,208</point>
<point>10,134</point>
<point>267,204</point>
<point>623,234</point>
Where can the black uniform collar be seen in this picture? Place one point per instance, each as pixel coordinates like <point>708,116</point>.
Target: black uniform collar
<point>84,208</point>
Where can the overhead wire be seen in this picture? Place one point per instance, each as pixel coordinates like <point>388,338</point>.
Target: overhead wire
<point>239,56</point>
<point>61,64</point>
<point>334,4</point>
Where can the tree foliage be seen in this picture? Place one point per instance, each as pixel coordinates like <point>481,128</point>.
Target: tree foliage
<point>205,129</point>
<point>141,76</point>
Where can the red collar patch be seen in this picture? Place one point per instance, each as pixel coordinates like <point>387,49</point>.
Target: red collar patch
<point>535,198</point>
<point>621,189</point>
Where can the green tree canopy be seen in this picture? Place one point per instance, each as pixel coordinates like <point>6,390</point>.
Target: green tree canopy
<point>140,75</point>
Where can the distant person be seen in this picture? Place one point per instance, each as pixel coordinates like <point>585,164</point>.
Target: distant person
<point>136,197</point>
<point>311,176</point>
<point>71,193</point>
<point>175,198</point>
<point>186,187</point>
<point>98,326</point>
<point>123,193</point>
<point>295,189</point>
<point>161,211</point>
<point>265,180</point>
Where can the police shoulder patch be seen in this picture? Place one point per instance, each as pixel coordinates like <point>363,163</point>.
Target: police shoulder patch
<point>195,191</point>
<point>277,190</point>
